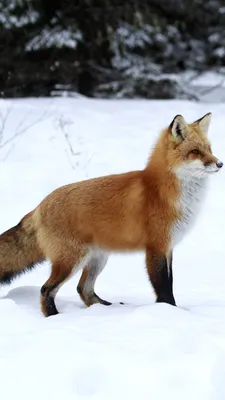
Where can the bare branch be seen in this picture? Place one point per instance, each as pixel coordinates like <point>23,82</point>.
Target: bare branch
<point>88,162</point>
<point>62,123</point>
<point>21,122</point>
<point>3,120</point>
<point>193,77</point>
<point>212,88</point>
<point>66,136</point>
<point>21,129</point>
<point>189,92</point>
<point>8,152</point>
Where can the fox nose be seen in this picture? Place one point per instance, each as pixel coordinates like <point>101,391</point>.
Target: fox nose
<point>219,164</point>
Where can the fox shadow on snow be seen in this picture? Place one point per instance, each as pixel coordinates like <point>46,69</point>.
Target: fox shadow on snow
<point>28,297</point>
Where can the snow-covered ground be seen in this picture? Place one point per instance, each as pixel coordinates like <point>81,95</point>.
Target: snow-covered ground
<point>141,349</point>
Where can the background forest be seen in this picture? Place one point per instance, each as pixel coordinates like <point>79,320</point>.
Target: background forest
<point>109,48</point>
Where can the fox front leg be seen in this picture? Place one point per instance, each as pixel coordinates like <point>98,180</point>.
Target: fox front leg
<point>159,268</point>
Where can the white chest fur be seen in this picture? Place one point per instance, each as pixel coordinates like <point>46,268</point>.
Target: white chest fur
<point>189,205</point>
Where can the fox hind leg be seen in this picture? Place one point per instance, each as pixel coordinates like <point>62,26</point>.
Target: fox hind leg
<point>61,272</point>
<point>59,275</point>
<point>88,278</point>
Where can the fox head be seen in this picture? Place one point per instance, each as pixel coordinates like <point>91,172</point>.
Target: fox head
<point>190,152</point>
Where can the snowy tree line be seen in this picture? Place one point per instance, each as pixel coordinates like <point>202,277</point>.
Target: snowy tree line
<point>108,48</point>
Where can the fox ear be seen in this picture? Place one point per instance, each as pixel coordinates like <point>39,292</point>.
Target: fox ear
<point>204,123</point>
<point>179,129</point>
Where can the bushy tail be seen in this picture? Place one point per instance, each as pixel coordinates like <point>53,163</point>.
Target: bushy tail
<point>19,250</point>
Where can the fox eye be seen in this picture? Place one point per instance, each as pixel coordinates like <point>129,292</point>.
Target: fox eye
<point>196,152</point>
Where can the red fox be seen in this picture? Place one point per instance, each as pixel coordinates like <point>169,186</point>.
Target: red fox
<point>78,225</point>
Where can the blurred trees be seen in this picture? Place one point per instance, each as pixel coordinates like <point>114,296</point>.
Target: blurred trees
<point>107,48</point>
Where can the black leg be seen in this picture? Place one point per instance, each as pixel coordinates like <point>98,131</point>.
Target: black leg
<point>170,269</point>
<point>160,274</point>
<point>47,300</point>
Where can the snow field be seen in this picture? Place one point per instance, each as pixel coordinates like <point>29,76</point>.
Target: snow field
<point>141,349</point>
